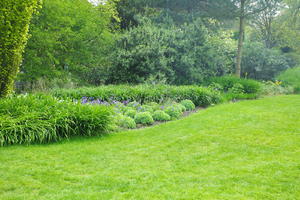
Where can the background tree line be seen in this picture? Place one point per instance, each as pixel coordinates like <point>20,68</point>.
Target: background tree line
<point>75,42</point>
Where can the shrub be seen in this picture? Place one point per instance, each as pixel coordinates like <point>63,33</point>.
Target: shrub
<point>155,106</point>
<point>291,77</point>
<point>130,113</point>
<point>126,122</point>
<point>42,119</point>
<point>237,89</point>
<point>144,118</point>
<point>180,107</point>
<point>160,115</point>
<point>173,111</point>
<point>143,93</point>
<point>227,82</point>
<point>275,88</point>
<point>145,108</point>
<point>188,104</point>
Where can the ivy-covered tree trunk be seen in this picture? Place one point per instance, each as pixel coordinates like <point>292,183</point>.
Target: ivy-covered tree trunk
<point>15,16</point>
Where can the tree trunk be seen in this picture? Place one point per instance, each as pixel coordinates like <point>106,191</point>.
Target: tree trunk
<point>241,40</point>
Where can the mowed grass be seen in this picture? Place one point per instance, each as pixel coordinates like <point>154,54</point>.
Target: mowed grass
<point>245,150</point>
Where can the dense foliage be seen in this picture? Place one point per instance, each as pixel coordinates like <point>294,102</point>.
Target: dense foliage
<point>262,63</point>
<point>15,16</point>
<point>143,93</point>
<point>70,42</point>
<point>43,119</point>
<point>166,53</point>
<point>228,82</point>
<point>291,77</point>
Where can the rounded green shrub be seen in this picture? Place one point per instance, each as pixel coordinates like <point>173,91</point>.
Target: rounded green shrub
<point>155,106</point>
<point>160,115</point>
<point>144,118</point>
<point>188,104</point>
<point>145,108</point>
<point>237,88</point>
<point>134,104</point>
<point>173,111</point>
<point>130,112</point>
<point>127,122</point>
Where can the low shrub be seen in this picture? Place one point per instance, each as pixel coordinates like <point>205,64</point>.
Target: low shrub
<point>291,77</point>
<point>144,118</point>
<point>173,111</point>
<point>42,119</point>
<point>145,108</point>
<point>276,88</point>
<point>126,122</point>
<point>237,88</point>
<point>227,82</point>
<point>143,94</point>
<point>188,104</point>
<point>130,113</point>
<point>160,115</point>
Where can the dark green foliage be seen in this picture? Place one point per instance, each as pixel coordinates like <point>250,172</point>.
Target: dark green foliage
<point>261,63</point>
<point>144,118</point>
<point>144,93</point>
<point>291,77</point>
<point>160,115</point>
<point>227,82</point>
<point>15,16</point>
<point>188,104</point>
<point>169,53</point>
<point>43,119</point>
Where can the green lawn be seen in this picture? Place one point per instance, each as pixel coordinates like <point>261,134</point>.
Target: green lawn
<point>245,150</point>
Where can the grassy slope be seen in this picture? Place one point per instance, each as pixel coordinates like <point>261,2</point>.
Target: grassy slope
<point>247,150</point>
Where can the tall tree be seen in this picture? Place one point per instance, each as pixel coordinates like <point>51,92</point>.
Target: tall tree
<point>15,16</point>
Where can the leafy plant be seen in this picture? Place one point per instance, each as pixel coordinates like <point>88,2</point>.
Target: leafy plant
<point>144,118</point>
<point>173,111</point>
<point>188,104</point>
<point>143,93</point>
<point>291,77</point>
<point>126,122</point>
<point>43,119</point>
<point>160,115</point>
<point>227,82</point>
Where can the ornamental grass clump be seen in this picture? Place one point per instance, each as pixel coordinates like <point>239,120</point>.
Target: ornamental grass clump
<point>42,119</point>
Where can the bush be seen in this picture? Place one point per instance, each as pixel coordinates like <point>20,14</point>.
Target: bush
<point>188,104</point>
<point>130,113</point>
<point>160,115</point>
<point>42,119</point>
<point>143,93</point>
<point>276,88</point>
<point>291,77</point>
<point>237,89</point>
<point>227,82</point>
<point>126,122</point>
<point>144,118</point>
<point>145,108</point>
<point>173,111</point>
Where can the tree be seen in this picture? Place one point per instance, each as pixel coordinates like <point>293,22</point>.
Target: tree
<point>15,16</point>
<point>70,41</point>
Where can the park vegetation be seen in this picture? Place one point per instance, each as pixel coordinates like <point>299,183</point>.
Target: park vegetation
<point>100,66</point>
